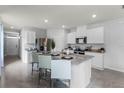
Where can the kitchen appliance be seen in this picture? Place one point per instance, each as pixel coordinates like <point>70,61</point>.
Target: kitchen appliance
<point>79,51</point>
<point>82,40</point>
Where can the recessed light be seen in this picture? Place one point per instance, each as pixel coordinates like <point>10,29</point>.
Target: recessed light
<point>63,26</point>
<point>11,27</point>
<point>94,16</point>
<point>46,20</point>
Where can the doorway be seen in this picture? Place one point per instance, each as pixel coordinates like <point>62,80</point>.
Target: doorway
<point>11,47</point>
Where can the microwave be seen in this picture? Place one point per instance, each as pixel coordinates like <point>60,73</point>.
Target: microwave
<point>81,40</point>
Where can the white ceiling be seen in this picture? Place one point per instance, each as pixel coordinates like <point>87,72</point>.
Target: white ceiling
<point>71,16</point>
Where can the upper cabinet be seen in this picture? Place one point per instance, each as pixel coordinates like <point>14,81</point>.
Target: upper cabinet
<point>31,37</point>
<point>78,32</point>
<point>95,35</point>
<point>81,31</point>
<point>71,38</point>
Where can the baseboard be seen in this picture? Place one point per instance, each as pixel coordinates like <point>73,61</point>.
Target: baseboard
<point>115,69</point>
<point>99,68</point>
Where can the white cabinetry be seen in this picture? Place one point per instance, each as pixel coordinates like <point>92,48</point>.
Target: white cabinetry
<point>71,38</point>
<point>97,60</point>
<point>77,33</point>
<point>27,42</point>
<point>81,74</point>
<point>31,37</point>
<point>81,31</point>
<point>95,35</point>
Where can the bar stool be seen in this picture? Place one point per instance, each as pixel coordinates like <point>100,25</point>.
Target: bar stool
<point>44,67</point>
<point>35,62</point>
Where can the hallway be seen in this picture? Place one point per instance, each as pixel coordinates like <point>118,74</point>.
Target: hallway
<point>17,74</point>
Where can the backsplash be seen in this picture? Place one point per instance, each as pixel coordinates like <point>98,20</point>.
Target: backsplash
<point>84,46</point>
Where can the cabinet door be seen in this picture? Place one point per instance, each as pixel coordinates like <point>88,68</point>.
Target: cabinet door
<point>95,35</point>
<point>98,61</point>
<point>81,32</point>
<point>99,35</point>
<point>90,36</point>
<point>31,37</point>
<point>71,38</point>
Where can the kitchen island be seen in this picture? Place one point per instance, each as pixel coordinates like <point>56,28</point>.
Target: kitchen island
<point>80,70</point>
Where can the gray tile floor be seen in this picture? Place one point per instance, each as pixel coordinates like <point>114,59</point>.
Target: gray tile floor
<point>18,75</point>
<point>106,79</point>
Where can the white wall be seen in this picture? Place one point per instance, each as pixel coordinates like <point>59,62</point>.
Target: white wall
<point>59,36</point>
<point>114,40</point>
<point>5,52</point>
<point>114,44</point>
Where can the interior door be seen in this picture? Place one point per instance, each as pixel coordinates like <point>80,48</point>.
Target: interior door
<point>12,45</point>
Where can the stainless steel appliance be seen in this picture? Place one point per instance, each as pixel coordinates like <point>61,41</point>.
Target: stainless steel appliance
<point>82,40</point>
<point>79,51</point>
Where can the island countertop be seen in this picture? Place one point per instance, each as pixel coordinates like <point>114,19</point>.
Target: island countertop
<point>76,58</point>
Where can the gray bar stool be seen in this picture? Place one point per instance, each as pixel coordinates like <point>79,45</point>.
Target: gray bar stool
<point>44,67</point>
<point>35,62</point>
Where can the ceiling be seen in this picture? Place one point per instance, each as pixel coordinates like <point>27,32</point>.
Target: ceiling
<point>21,16</point>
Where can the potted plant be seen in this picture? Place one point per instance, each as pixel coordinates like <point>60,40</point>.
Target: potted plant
<point>50,44</point>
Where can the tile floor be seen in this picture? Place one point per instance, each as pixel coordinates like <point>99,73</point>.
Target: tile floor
<point>106,79</point>
<point>18,75</point>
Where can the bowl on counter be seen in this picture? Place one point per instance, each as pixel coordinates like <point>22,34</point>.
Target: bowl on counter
<point>55,54</point>
<point>67,57</point>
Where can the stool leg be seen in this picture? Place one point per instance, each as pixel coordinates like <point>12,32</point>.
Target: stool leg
<point>39,76</point>
<point>69,83</point>
<point>37,66</point>
<point>32,68</point>
<point>52,83</point>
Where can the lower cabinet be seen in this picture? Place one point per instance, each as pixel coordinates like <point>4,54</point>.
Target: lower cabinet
<point>97,60</point>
